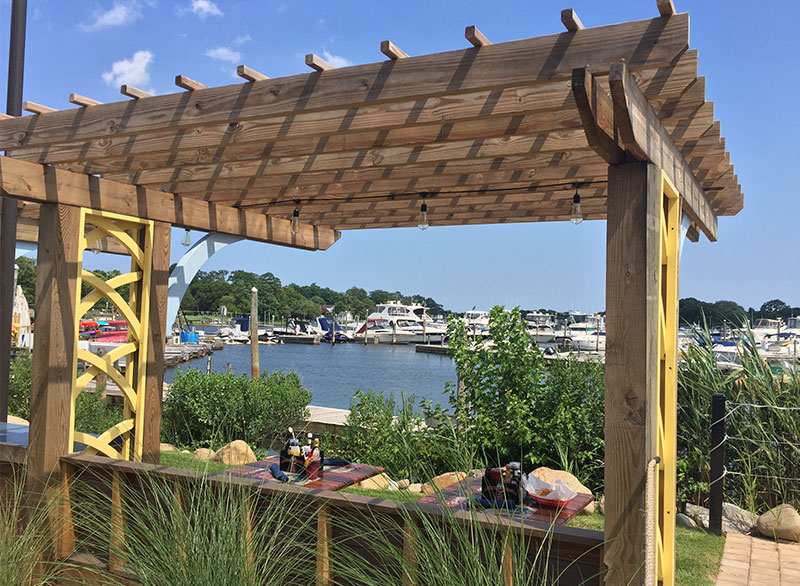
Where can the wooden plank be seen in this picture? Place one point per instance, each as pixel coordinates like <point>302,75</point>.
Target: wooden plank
<point>597,114</point>
<point>31,182</point>
<point>36,108</point>
<point>28,231</point>
<point>410,557</point>
<point>324,536</point>
<point>317,63</point>
<point>643,44</point>
<point>570,20</point>
<point>541,103</point>
<point>249,74</point>
<point>647,139</point>
<point>55,342</point>
<point>134,92</point>
<point>476,37</point>
<point>188,84</point>
<point>5,116</point>
<point>392,51</point>
<point>157,330</point>
<point>631,381</point>
<point>665,7</point>
<point>83,101</point>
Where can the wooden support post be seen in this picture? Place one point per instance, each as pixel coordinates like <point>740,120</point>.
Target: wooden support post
<point>507,561</point>
<point>717,463</point>
<point>157,332</point>
<point>632,362</point>
<point>410,559</point>
<point>117,535</point>
<point>324,534</point>
<point>254,367</point>
<point>54,347</point>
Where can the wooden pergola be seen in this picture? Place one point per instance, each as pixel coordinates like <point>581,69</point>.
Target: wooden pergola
<point>493,133</point>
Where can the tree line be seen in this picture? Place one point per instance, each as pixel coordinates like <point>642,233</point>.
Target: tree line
<point>716,313</point>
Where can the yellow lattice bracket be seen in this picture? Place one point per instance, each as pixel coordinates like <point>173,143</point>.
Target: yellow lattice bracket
<point>666,433</point>
<point>124,440</point>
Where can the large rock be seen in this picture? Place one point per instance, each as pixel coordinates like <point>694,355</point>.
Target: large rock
<point>686,521</point>
<point>734,519</point>
<point>168,448</point>
<point>236,453</point>
<point>589,509</point>
<point>17,420</point>
<point>550,476</point>
<point>415,487</point>
<point>403,484</point>
<point>377,482</point>
<point>442,481</point>
<point>204,453</point>
<point>782,522</point>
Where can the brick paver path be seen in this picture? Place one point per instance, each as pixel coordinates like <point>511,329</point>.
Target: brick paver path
<point>751,561</point>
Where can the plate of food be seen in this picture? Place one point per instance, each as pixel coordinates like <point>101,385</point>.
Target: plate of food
<point>546,494</point>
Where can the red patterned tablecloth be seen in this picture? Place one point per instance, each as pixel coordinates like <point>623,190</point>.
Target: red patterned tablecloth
<point>458,496</point>
<point>333,477</point>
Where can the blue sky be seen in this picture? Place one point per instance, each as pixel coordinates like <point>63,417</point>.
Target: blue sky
<point>747,54</point>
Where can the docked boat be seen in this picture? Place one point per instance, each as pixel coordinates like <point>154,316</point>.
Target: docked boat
<point>587,332</point>
<point>541,327</point>
<point>406,319</point>
<point>380,331</point>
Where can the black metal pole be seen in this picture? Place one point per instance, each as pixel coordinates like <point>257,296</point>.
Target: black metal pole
<point>8,225</point>
<point>717,479</point>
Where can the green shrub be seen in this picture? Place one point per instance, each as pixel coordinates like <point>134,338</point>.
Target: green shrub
<point>19,386</point>
<point>211,409</point>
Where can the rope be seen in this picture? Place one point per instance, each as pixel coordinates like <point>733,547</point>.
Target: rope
<point>755,441</point>
<point>757,406</point>
<point>784,478</point>
<point>650,522</point>
<point>723,475</point>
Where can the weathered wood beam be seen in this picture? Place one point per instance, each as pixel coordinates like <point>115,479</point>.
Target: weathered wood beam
<point>665,7</point>
<point>643,44</point>
<point>34,182</point>
<point>28,231</point>
<point>5,116</point>
<point>543,103</point>
<point>134,92</point>
<point>392,51</point>
<point>476,37</point>
<point>317,63</point>
<point>647,139</point>
<point>250,74</point>
<point>570,20</point>
<point>597,114</point>
<point>188,84</point>
<point>35,108</point>
<point>83,101</point>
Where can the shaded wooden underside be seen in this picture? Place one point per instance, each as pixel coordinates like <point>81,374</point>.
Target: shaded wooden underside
<point>489,134</point>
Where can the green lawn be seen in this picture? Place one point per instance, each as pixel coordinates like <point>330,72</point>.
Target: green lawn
<point>394,495</point>
<point>697,553</point>
<point>191,462</point>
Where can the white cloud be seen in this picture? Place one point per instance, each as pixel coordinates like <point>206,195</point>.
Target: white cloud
<point>204,8</point>
<point>224,54</point>
<point>242,39</point>
<point>132,71</point>
<point>336,60</point>
<point>122,13</point>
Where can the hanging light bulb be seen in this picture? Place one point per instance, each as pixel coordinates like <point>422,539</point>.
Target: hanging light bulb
<point>97,247</point>
<point>575,213</point>
<point>187,239</point>
<point>296,218</point>
<point>423,216</point>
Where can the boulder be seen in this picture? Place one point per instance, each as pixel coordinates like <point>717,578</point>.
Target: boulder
<point>204,453</point>
<point>734,519</point>
<point>781,522</point>
<point>589,509</point>
<point>185,452</point>
<point>415,488</point>
<point>602,504</point>
<point>377,482</point>
<point>17,420</point>
<point>686,521</point>
<point>476,473</point>
<point>442,481</point>
<point>403,484</point>
<point>168,448</point>
<point>236,453</point>
<point>392,485</point>
<point>550,476</point>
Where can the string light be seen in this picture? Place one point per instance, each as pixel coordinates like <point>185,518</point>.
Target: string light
<point>296,218</point>
<point>97,247</point>
<point>187,239</point>
<point>423,215</point>
<point>575,213</point>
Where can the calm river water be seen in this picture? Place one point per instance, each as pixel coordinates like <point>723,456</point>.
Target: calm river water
<point>334,373</point>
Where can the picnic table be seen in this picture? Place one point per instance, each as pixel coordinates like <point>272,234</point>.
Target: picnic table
<point>334,477</point>
<point>459,495</point>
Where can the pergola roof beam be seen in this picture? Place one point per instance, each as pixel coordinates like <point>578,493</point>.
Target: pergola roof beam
<point>476,37</point>
<point>250,74</point>
<point>643,44</point>
<point>570,20</point>
<point>188,84</point>
<point>35,108</point>
<point>134,92</point>
<point>392,51</point>
<point>83,101</point>
<point>665,7</point>
<point>317,63</point>
<point>42,184</point>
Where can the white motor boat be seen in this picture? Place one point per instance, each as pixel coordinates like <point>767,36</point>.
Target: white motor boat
<point>408,319</point>
<point>380,331</point>
<point>540,327</point>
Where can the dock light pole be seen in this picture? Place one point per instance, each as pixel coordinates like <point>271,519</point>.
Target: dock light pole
<point>8,225</point>
<point>254,333</point>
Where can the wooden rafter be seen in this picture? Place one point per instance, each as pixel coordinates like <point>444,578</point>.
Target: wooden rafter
<point>392,51</point>
<point>249,74</point>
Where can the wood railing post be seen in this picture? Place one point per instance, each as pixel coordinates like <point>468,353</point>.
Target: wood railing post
<point>410,559</point>
<point>324,534</point>
<point>507,560</point>
<point>717,478</point>
<point>117,535</point>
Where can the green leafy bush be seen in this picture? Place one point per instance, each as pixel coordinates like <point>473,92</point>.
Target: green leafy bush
<point>210,409</point>
<point>19,386</point>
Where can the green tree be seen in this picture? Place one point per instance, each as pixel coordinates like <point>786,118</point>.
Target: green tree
<point>26,278</point>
